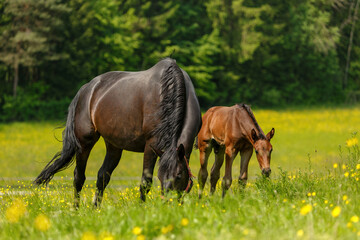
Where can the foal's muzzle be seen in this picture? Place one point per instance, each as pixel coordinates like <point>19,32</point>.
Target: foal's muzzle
<point>266,172</point>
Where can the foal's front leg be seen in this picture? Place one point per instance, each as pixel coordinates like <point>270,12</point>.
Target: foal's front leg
<point>230,153</point>
<point>148,171</point>
<point>246,154</point>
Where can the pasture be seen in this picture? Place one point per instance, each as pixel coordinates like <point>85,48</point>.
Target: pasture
<point>313,192</point>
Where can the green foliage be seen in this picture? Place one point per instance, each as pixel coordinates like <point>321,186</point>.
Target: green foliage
<point>30,104</point>
<point>266,53</point>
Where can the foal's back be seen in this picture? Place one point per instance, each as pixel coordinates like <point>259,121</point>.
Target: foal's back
<point>225,122</point>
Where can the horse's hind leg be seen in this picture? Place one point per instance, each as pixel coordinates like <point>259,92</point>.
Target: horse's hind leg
<point>111,160</point>
<point>79,172</point>
<point>205,150</point>
<point>148,171</point>
<point>215,170</point>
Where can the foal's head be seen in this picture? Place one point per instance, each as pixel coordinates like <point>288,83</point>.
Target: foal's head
<point>175,176</point>
<point>263,149</point>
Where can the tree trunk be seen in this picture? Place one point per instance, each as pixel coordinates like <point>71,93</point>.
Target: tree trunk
<point>16,78</point>
<point>354,18</point>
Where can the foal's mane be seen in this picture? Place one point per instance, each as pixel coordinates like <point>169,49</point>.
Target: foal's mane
<point>251,114</point>
<point>171,113</point>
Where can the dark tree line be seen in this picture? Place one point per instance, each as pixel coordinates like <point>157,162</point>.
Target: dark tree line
<point>266,53</point>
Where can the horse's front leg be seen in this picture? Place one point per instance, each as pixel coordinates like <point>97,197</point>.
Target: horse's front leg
<point>246,154</point>
<point>230,153</point>
<point>148,171</point>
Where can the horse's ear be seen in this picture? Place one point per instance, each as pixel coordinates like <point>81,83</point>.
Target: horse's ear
<point>181,151</point>
<point>270,134</point>
<point>157,152</point>
<point>254,136</point>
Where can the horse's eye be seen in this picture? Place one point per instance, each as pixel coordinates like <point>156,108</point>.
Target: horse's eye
<point>271,150</point>
<point>178,176</point>
<point>256,152</point>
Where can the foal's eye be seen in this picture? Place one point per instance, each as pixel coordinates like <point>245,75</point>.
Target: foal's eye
<point>271,150</point>
<point>256,152</point>
<point>178,176</point>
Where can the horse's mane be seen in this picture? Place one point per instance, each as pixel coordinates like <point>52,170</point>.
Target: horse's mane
<point>251,114</point>
<point>172,112</point>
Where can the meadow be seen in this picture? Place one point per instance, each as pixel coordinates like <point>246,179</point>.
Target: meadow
<point>312,193</point>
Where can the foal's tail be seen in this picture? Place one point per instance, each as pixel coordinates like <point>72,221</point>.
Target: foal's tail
<point>196,145</point>
<point>71,146</point>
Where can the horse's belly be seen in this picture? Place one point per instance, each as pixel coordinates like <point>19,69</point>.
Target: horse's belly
<point>126,142</point>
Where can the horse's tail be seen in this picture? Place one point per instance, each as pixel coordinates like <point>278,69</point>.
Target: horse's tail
<point>196,144</point>
<point>71,146</point>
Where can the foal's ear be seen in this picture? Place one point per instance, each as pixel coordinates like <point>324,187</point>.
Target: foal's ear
<point>270,134</point>
<point>254,136</point>
<point>181,151</point>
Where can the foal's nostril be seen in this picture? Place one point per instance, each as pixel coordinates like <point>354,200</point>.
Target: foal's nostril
<point>266,171</point>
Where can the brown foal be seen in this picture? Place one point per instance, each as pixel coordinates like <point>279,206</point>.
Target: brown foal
<point>229,130</point>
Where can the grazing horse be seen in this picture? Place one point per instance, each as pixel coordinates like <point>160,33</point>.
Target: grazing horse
<point>229,130</point>
<point>154,111</point>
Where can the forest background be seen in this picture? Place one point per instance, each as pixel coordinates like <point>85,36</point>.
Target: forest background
<point>270,54</point>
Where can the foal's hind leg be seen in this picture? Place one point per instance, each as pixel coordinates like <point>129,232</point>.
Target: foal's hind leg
<point>148,171</point>
<point>111,160</point>
<point>215,170</point>
<point>205,150</point>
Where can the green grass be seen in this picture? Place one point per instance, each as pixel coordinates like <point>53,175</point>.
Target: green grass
<point>306,145</point>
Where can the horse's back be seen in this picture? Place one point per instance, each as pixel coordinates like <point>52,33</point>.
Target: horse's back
<point>122,106</point>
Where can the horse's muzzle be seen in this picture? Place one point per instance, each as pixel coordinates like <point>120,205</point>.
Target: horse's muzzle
<point>266,172</point>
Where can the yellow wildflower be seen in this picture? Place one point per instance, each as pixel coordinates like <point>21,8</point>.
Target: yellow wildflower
<point>106,236</point>
<point>88,236</point>
<point>300,233</point>
<point>346,174</point>
<point>42,222</point>
<point>136,230</point>
<point>306,209</point>
<point>354,219</point>
<point>313,194</point>
<point>336,211</point>
<point>358,166</point>
<point>345,197</point>
<point>326,201</point>
<point>352,142</point>
<point>140,237</point>
<point>167,229</point>
<point>15,211</point>
<point>349,225</point>
<point>335,165</point>
<point>184,222</point>
<point>343,166</point>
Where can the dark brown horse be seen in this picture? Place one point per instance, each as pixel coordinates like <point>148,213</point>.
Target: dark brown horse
<point>229,130</point>
<point>154,111</point>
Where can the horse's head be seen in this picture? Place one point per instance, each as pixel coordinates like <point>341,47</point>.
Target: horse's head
<point>263,149</point>
<point>177,176</point>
